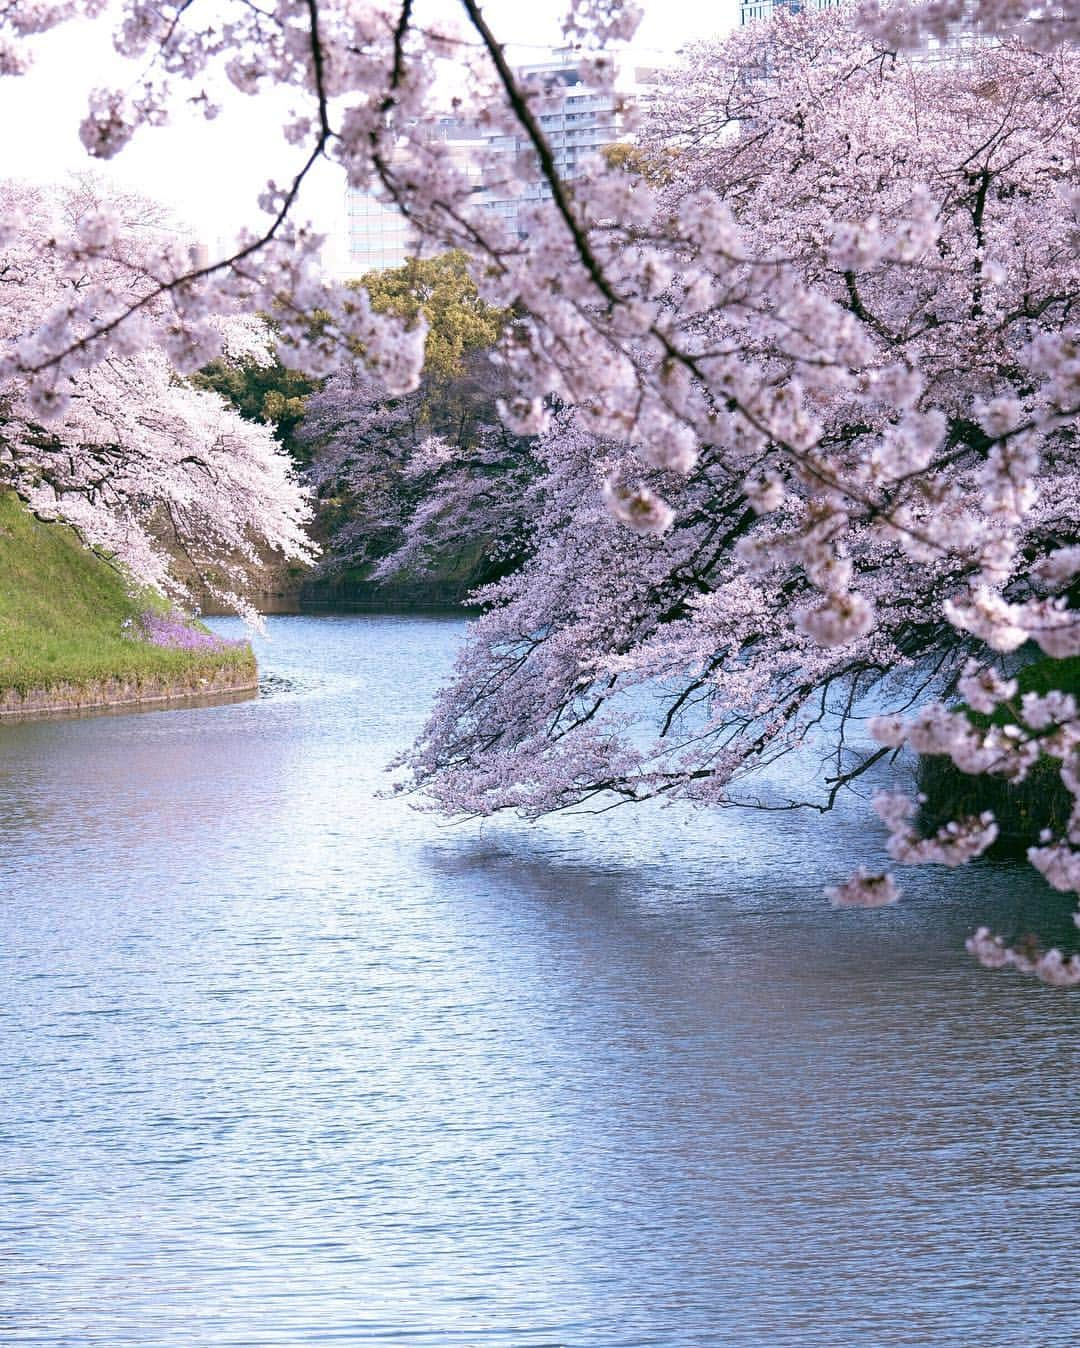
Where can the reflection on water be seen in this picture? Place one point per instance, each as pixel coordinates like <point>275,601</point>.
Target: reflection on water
<point>282,1063</point>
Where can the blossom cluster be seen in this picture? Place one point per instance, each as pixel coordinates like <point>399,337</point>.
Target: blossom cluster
<point>952,845</point>
<point>1049,966</point>
<point>864,889</point>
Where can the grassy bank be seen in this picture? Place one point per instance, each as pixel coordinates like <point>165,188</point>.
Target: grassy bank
<point>62,616</point>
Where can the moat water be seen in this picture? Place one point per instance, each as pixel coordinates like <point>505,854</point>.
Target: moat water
<point>285,1063</point>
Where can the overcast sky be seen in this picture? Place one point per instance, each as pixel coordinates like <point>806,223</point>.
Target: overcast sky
<point>211,173</point>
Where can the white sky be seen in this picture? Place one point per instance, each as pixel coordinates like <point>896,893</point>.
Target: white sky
<point>212,172</point>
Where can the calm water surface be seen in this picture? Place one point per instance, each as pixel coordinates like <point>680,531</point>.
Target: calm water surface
<point>282,1063</point>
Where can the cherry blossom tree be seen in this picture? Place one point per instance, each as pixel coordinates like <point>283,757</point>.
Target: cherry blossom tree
<point>939,512</point>
<point>428,482</point>
<point>146,468</point>
<point>839,324</point>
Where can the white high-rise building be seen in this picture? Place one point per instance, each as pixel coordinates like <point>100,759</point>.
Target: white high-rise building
<point>749,10</point>
<point>578,122</point>
<point>377,235</point>
<point>960,38</point>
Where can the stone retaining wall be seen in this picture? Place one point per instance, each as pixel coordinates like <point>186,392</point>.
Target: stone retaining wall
<point>105,694</point>
<point>365,596</point>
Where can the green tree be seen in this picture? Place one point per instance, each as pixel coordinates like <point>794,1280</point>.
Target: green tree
<point>440,288</point>
<point>272,394</point>
<point>459,325</point>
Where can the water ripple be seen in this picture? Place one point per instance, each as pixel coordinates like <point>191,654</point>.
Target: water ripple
<point>284,1063</point>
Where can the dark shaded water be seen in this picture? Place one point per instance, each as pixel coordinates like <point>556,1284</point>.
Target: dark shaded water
<point>284,1064</point>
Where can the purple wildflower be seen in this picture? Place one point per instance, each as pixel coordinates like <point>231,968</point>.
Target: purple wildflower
<point>175,631</point>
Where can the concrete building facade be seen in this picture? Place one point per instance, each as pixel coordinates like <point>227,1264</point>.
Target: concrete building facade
<point>749,10</point>
<point>578,121</point>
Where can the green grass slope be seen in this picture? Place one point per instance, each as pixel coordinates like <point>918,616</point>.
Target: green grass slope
<point>62,610</point>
